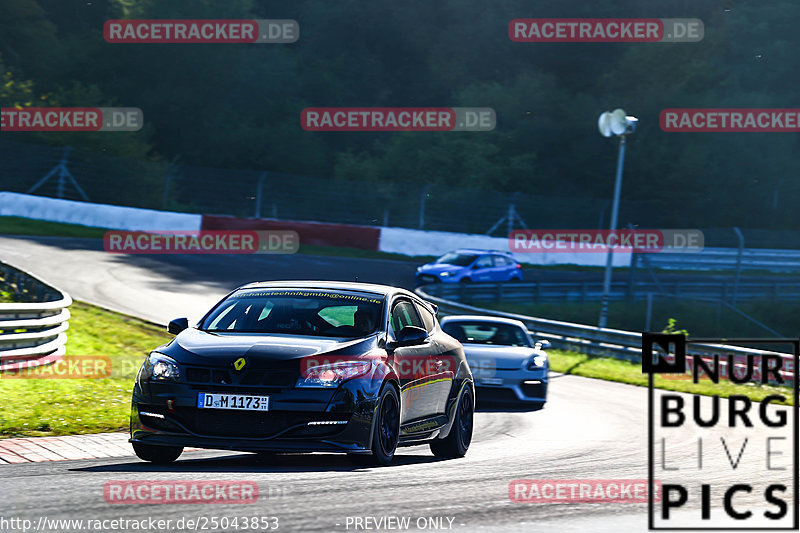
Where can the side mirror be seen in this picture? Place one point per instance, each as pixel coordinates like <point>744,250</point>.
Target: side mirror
<point>475,266</point>
<point>543,343</point>
<point>178,325</point>
<point>408,336</point>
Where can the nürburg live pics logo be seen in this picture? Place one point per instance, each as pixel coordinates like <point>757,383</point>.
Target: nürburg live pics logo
<point>726,459</point>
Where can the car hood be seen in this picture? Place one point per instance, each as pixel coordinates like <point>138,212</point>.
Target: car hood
<point>500,357</point>
<point>193,346</point>
<point>438,268</point>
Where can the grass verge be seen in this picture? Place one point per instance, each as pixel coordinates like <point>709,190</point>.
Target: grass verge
<point>43,228</point>
<point>41,407</point>
<point>38,407</point>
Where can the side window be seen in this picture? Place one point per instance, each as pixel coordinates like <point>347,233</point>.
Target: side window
<point>500,261</point>
<point>484,262</point>
<point>427,318</point>
<point>404,314</point>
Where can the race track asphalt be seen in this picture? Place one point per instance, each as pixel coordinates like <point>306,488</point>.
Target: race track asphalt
<point>590,429</point>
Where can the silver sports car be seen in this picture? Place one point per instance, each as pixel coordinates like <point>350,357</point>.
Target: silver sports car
<point>508,367</point>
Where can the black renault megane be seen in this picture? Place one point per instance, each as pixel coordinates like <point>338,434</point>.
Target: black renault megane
<point>306,367</point>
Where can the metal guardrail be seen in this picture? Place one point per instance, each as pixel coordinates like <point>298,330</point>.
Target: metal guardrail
<point>592,291</point>
<point>32,331</point>
<point>772,260</point>
<point>619,344</point>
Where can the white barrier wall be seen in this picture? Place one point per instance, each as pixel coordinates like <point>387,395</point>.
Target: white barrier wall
<point>95,215</point>
<point>418,242</point>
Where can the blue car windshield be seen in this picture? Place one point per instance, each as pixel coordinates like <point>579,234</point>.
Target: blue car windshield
<point>297,312</point>
<point>452,258</point>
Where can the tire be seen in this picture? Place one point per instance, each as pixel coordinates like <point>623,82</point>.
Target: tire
<point>457,442</point>
<point>387,430</point>
<point>160,455</point>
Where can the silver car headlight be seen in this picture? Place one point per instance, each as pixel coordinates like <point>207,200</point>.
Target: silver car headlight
<point>537,361</point>
<point>159,367</point>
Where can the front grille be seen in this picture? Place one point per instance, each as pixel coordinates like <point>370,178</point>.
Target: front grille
<point>198,375</point>
<point>427,278</point>
<point>275,379</point>
<point>492,394</point>
<point>255,424</point>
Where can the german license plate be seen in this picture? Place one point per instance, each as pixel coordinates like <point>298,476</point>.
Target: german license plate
<point>490,381</point>
<point>238,402</point>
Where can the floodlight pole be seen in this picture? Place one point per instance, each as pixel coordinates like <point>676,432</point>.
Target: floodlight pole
<point>613,226</point>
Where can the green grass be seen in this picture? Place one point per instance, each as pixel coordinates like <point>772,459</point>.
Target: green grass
<point>631,373</point>
<point>41,228</point>
<point>27,226</point>
<point>37,407</point>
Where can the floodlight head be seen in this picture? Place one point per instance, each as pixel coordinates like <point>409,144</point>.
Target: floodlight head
<point>604,124</point>
<point>616,123</point>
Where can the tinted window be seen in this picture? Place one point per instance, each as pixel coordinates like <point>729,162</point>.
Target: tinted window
<point>427,318</point>
<point>452,258</point>
<point>486,333</point>
<point>404,314</point>
<point>296,312</point>
<point>484,262</point>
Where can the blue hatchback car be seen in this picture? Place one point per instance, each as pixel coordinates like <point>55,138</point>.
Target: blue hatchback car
<point>466,266</point>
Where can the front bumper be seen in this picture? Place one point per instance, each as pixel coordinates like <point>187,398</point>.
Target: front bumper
<point>300,420</point>
<point>513,386</point>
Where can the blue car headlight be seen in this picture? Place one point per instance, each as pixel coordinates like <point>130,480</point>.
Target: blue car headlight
<point>159,367</point>
<point>332,375</point>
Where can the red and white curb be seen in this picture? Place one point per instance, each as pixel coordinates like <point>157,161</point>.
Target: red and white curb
<point>71,447</point>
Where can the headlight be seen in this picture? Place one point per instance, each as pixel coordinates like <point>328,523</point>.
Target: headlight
<point>331,375</point>
<point>159,367</point>
<point>445,274</point>
<point>537,361</point>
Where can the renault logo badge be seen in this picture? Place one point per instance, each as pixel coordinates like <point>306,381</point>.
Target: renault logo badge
<point>239,364</point>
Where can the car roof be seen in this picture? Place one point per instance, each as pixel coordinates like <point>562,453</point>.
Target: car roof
<point>482,318</point>
<point>330,285</point>
<point>477,251</point>
<point>374,288</point>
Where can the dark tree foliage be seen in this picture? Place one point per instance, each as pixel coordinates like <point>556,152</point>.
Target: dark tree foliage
<point>238,106</point>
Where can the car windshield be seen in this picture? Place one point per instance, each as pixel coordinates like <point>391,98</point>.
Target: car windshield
<point>297,312</point>
<point>487,333</point>
<point>453,258</point>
